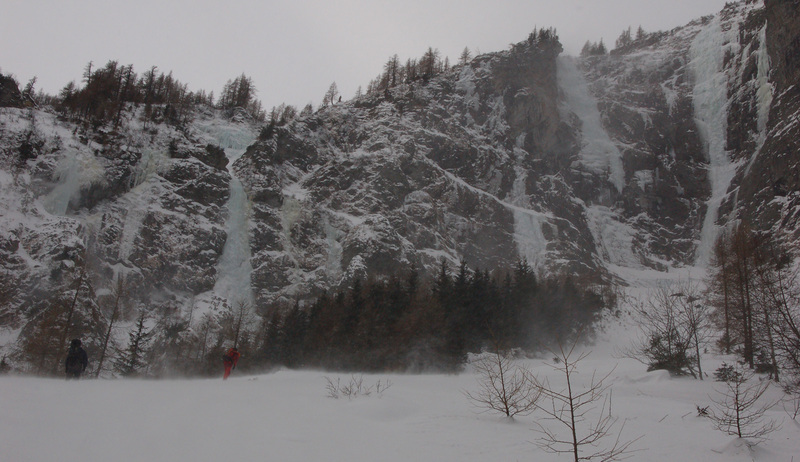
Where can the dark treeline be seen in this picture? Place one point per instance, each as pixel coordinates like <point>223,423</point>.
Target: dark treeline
<point>431,64</point>
<point>626,39</point>
<point>404,324</point>
<point>105,93</point>
<point>414,71</point>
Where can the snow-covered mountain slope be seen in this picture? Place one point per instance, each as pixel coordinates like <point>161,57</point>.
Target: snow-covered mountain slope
<point>595,167</point>
<point>146,202</point>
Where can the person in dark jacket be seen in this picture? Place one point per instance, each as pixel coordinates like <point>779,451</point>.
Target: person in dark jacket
<point>76,361</point>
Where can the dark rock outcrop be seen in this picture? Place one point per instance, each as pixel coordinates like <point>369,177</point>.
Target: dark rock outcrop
<point>769,195</point>
<point>10,96</point>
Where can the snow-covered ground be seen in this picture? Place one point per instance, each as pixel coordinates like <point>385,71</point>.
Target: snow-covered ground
<point>288,416</point>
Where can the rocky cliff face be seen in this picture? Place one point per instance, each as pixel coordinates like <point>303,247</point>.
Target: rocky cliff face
<point>146,202</point>
<point>769,195</point>
<point>631,160</point>
<point>688,110</point>
<point>463,167</point>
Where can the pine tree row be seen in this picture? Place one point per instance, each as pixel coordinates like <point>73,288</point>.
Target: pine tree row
<point>408,323</point>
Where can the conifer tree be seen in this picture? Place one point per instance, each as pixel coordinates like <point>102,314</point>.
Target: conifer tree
<point>624,39</point>
<point>428,64</point>
<point>465,57</point>
<point>295,326</point>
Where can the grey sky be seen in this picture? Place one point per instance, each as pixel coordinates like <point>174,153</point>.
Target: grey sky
<point>294,49</point>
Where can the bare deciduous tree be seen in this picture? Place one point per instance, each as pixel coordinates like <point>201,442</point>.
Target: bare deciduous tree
<point>504,386</point>
<point>331,95</point>
<point>582,434</point>
<point>243,319</point>
<point>119,293</point>
<point>696,315</point>
<point>666,337</point>
<point>719,291</point>
<point>754,287</point>
<point>738,411</point>
<point>778,295</point>
<point>791,404</point>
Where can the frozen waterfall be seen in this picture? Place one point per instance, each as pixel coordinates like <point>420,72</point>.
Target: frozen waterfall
<point>75,171</point>
<point>531,243</point>
<point>598,153</point>
<point>234,269</point>
<point>68,175</point>
<point>710,97</point>
<point>764,91</point>
<point>614,238</point>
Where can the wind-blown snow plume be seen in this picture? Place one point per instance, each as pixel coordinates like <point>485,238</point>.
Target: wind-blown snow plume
<point>73,172</point>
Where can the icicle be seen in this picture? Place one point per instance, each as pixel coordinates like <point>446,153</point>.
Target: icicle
<point>763,95</point>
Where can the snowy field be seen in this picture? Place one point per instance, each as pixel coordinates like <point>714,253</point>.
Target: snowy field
<point>288,416</point>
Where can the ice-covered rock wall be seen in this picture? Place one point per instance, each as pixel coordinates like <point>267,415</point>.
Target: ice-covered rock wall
<point>585,166</point>
<point>691,111</point>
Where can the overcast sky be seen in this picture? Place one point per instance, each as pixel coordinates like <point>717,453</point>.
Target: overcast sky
<point>294,49</point>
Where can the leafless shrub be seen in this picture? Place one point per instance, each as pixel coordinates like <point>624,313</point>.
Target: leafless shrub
<point>675,328</point>
<point>504,386</point>
<point>354,388</point>
<point>791,405</point>
<point>382,385</point>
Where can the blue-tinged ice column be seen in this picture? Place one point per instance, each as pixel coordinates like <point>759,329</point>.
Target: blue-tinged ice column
<point>710,97</point>
<point>234,269</point>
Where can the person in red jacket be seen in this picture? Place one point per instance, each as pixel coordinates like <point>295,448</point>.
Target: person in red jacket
<point>229,360</point>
